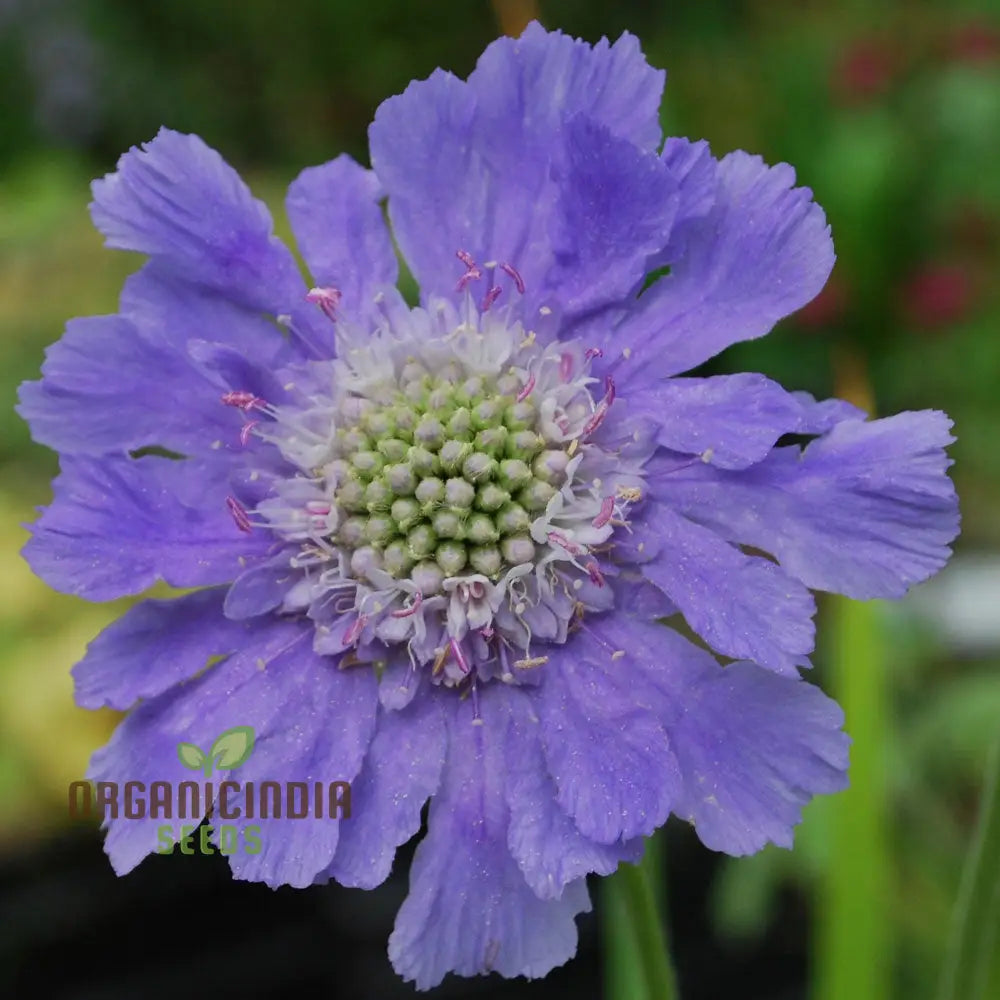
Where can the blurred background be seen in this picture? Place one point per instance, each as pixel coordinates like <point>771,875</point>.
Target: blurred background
<point>891,113</point>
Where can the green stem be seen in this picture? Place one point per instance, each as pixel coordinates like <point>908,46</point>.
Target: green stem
<point>854,939</point>
<point>638,962</point>
<point>969,959</point>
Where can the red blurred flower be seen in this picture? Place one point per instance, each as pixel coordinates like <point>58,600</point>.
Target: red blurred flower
<point>976,41</point>
<point>937,295</point>
<point>863,71</point>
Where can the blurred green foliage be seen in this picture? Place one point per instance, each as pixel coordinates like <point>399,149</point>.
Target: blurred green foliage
<point>891,113</point>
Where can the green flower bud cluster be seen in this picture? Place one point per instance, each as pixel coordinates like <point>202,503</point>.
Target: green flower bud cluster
<point>444,476</point>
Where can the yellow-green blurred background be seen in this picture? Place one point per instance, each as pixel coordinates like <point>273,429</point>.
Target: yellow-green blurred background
<point>889,111</point>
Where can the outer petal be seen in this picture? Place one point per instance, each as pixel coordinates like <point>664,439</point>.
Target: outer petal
<point>733,421</point>
<point>115,383</point>
<point>612,763</point>
<point>248,689</point>
<point>116,525</point>
<point>402,770</point>
<point>154,646</point>
<point>466,166</point>
<point>752,747</point>
<point>615,203</point>
<point>326,721</point>
<point>866,511</point>
<point>743,606</point>
<point>544,841</point>
<point>761,253</point>
<point>180,202</point>
<point>337,220</point>
<point>469,910</point>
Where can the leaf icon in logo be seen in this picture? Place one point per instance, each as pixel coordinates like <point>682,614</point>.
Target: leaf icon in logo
<point>191,756</point>
<point>232,747</point>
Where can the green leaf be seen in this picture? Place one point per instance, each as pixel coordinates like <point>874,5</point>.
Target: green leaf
<point>232,747</point>
<point>976,922</point>
<point>190,756</point>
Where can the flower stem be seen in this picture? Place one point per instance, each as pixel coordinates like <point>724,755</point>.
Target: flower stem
<point>854,939</point>
<point>638,963</point>
<point>969,959</point>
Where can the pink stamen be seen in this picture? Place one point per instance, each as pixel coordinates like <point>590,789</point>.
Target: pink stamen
<point>601,412</point>
<point>596,419</point>
<point>561,540</point>
<point>245,431</point>
<point>328,299</point>
<point>456,648</point>
<point>565,366</point>
<point>418,599</point>
<point>490,297</point>
<point>593,352</point>
<point>594,572</point>
<point>515,276</point>
<point>239,513</point>
<point>466,258</point>
<point>318,507</point>
<point>242,399</point>
<point>526,391</point>
<point>355,629</point>
<point>473,274</point>
<point>607,509</point>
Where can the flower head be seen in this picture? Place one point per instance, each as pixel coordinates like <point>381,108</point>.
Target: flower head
<point>432,544</point>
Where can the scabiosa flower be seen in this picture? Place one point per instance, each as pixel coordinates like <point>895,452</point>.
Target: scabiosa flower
<point>432,545</point>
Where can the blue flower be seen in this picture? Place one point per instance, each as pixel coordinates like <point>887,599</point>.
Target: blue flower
<point>432,545</point>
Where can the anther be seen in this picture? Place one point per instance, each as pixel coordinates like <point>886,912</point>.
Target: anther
<point>242,399</point>
<point>594,572</point>
<point>607,509</point>
<point>490,297</point>
<point>562,541</point>
<point>456,648</point>
<point>246,430</point>
<point>418,599</point>
<point>526,391</point>
<point>353,632</point>
<point>239,514</point>
<point>512,271</point>
<point>328,299</point>
<point>593,352</point>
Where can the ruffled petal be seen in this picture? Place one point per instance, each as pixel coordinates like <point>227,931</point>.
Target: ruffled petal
<point>743,606</point>
<point>117,383</point>
<point>116,525</point>
<point>247,689</point>
<point>325,723</point>
<point>469,910</point>
<point>338,223</point>
<point>466,166</point>
<point>177,200</point>
<point>154,646</point>
<point>615,203</point>
<point>545,842</point>
<point>613,767</point>
<point>866,511</point>
<point>762,252</point>
<point>402,770</point>
<point>752,747</point>
<point>733,421</point>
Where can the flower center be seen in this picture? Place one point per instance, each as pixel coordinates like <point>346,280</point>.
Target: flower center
<point>446,475</point>
<point>447,489</point>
